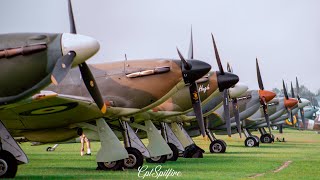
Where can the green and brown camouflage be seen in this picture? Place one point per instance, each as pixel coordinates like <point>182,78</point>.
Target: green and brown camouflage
<point>124,94</point>
<point>134,84</point>
<point>28,59</point>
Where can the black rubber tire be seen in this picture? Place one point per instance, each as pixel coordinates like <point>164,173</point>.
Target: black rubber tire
<point>217,146</point>
<point>114,166</point>
<point>175,152</point>
<point>135,159</point>
<point>266,138</point>
<point>257,139</point>
<point>10,163</point>
<point>251,142</point>
<point>193,151</point>
<point>49,149</point>
<point>161,159</point>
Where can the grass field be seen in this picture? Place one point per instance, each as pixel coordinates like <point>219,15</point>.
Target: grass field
<point>239,162</point>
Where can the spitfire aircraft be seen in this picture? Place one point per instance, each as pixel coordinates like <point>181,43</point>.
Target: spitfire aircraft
<point>128,88</point>
<point>33,61</point>
<point>134,146</point>
<point>284,118</point>
<point>241,108</point>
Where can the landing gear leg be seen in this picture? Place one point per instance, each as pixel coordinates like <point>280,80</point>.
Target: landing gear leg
<point>191,149</point>
<point>134,146</point>
<point>157,147</point>
<point>265,137</point>
<point>216,145</point>
<point>10,154</point>
<point>111,154</point>
<point>173,142</point>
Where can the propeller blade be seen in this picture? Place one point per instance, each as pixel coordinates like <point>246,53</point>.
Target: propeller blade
<point>292,119</point>
<point>259,75</point>
<point>229,68</point>
<point>266,115</point>
<point>236,114</point>
<point>302,118</point>
<point>298,91</point>
<point>285,90</point>
<point>62,67</point>
<point>196,104</point>
<point>92,87</point>
<point>186,65</point>
<point>290,116</point>
<point>297,85</point>
<point>71,19</point>
<point>226,111</point>
<point>190,54</point>
<point>292,91</point>
<point>217,55</point>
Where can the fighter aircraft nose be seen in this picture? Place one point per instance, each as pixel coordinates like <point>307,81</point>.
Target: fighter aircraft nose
<point>226,80</point>
<point>238,90</point>
<point>198,70</point>
<point>303,103</point>
<point>83,46</point>
<point>289,103</point>
<point>268,95</point>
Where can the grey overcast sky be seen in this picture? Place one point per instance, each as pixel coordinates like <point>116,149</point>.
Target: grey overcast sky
<point>283,34</point>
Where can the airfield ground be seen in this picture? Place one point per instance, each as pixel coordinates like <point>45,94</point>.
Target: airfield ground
<point>269,161</point>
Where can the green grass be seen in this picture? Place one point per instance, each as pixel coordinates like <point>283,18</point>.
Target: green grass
<point>239,162</point>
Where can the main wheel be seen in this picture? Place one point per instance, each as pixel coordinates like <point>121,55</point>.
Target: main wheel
<point>175,153</point>
<point>157,159</point>
<point>257,139</point>
<point>134,160</point>
<point>251,142</point>
<point>217,146</point>
<point>114,165</point>
<point>193,151</point>
<point>8,165</point>
<point>266,138</point>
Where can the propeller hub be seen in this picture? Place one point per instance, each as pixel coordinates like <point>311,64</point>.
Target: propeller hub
<point>303,103</point>
<point>238,89</point>
<point>226,80</point>
<point>197,71</point>
<point>268,95</point>
<point>290,102</point>
<point>83,46</point>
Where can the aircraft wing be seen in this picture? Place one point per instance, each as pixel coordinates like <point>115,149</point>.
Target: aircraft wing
<point>51,110</point>
<point>48,110</point>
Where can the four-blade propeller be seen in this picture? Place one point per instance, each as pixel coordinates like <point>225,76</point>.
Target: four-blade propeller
<point>225,81</point>
<point>265,96</point>
<point>65,62</point>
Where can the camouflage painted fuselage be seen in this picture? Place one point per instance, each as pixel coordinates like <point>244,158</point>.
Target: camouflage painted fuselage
<point>248,104</point>
<point>119,90</point>
<point>26,63</point>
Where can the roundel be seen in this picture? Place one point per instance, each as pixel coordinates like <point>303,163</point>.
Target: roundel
<point>49,109</point>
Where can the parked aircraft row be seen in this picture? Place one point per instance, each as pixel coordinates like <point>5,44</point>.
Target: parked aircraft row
<point>127,101</point>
